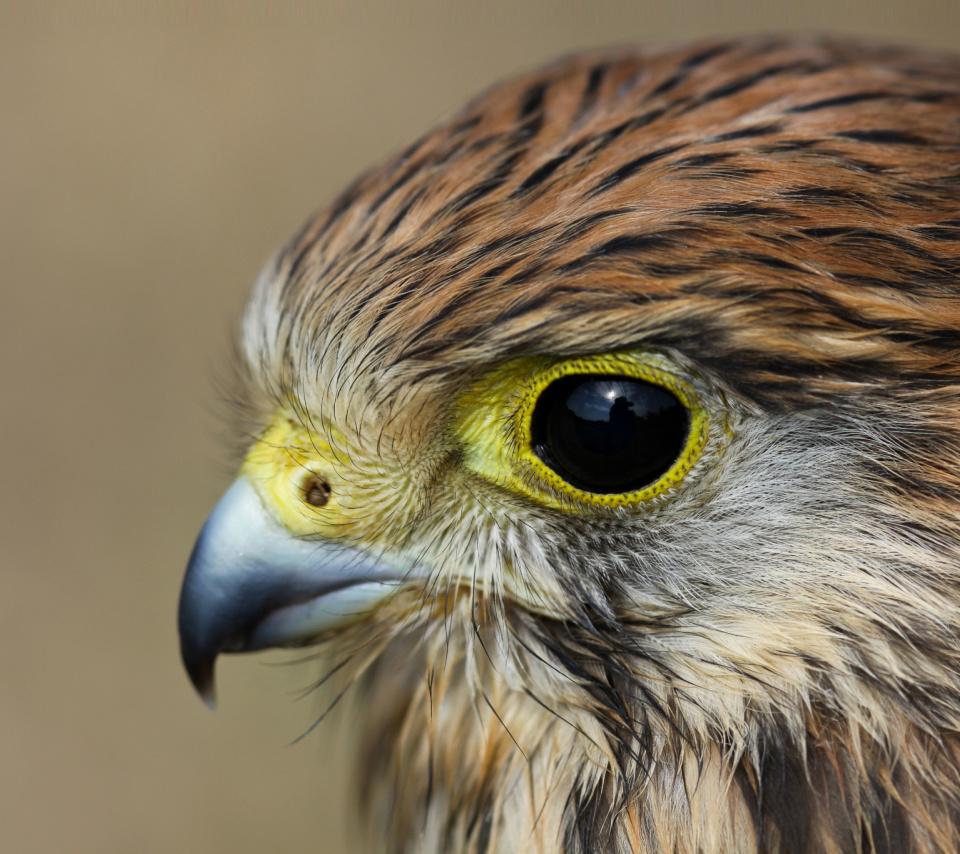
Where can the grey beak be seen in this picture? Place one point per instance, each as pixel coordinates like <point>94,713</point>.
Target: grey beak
<point>251,584</point>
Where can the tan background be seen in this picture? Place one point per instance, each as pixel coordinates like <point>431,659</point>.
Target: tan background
<point>147,169</point>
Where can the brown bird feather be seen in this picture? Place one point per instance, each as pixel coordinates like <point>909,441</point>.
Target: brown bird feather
<point>765,659</point>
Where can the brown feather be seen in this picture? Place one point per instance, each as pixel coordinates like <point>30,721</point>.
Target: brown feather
<point>770,659</point>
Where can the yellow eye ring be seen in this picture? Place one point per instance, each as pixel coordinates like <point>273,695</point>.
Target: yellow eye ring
<point>497,416</point>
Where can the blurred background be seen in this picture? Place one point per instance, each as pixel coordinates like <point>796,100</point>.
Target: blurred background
<point>147,169</point>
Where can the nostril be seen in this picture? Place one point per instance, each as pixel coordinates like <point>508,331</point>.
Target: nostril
<point>316,491</point>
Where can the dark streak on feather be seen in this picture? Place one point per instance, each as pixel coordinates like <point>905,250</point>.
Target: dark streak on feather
<point>632,167</point>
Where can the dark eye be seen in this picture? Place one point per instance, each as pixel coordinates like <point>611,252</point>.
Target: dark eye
<point>608,434</point>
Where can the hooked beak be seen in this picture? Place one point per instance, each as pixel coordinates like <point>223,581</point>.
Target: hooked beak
<point>252,584</point>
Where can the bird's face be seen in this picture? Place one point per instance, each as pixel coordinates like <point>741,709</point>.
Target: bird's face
<point>625,401</point>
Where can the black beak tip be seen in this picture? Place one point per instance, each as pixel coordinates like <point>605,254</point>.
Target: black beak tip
<point>200,669</point>
<point>198,638</point>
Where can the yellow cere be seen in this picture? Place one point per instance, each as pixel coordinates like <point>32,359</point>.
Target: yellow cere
<point>493,423</point>
<point>283,463</point>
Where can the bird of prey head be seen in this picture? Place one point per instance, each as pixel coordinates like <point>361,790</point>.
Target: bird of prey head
<point>610,436</point>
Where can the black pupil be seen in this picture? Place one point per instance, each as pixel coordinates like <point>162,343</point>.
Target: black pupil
<point>608,434</point>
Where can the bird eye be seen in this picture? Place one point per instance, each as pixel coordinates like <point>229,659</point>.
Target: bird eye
<point>607,430</point>
<point>608,434</point>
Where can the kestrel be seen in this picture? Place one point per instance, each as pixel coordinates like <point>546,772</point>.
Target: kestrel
<point>608,438</point>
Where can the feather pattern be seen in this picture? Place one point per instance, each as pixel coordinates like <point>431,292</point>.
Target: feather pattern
<point>767,660</point>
